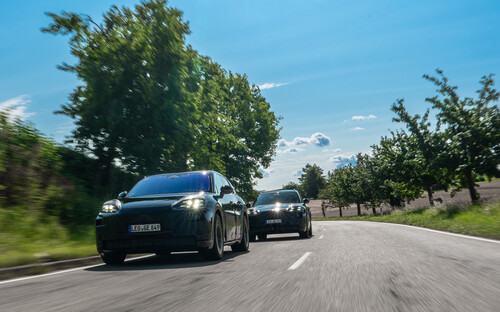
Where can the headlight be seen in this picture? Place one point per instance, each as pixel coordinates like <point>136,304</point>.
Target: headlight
<point>190,203</point>
<point>109,208</point>
<point>294,209</point>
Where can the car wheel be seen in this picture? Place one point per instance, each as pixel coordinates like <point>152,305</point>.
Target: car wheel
<point>253,237</point>
<point>113,257</point>
<point>217,250</point>
<point>244,244</point>
<point>262,236</point>
<point>307,232</point>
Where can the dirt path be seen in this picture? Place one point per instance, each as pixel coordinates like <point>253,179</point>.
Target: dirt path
<point>489,192</point>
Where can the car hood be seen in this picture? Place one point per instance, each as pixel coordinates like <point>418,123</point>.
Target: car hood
<point>152,202</point>
<point>273,206</point>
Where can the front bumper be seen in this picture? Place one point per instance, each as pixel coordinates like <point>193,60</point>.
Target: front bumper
<point>291,222</point>
<point>180,231</point>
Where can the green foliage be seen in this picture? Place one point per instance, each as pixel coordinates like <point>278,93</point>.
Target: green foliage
<point>426,152</point>
<point>291,186</point>
<point>472,128</point>
<point>465,143</point>
<point>311,181</point>
<point>150,102</point>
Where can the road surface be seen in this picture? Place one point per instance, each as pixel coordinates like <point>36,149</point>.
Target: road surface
<point>346,266</point>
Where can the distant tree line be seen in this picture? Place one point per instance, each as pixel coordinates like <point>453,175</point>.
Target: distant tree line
<point>463,144</point>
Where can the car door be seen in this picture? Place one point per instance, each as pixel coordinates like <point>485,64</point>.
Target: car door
<point>227,202</point>
<point>237,206</point>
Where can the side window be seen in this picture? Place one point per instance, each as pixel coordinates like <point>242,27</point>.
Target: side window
<point>218,183</point>
<point>225,181</point>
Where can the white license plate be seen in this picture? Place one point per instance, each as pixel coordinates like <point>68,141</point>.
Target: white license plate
<point>273,221</point>
<point>144,228</point>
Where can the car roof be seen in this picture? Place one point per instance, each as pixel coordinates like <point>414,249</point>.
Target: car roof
<point>276,191</point>
<point>185,172</point>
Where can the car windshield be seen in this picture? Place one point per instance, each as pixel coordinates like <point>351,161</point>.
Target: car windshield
<point>277,197</point>
<point>172,183</point>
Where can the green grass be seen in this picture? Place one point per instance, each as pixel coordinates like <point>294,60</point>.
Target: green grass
<point>479,220</point>
<point>26,238</point>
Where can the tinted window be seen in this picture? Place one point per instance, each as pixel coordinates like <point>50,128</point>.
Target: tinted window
<point>172,183</point>
<point>218,183</point>
<point>277,197</point>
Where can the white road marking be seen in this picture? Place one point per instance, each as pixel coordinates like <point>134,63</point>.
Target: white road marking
<point>321,236</point>
<point>443,232</point>
<point>299,262</point>
<point>60,272</point>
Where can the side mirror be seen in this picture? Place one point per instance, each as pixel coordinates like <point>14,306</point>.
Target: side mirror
<point>226,189</point>
<point>306,200</point>
<point>122,194</point>
<point>248,205</point>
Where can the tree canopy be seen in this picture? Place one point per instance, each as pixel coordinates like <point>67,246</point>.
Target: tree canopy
<point>150,103</point>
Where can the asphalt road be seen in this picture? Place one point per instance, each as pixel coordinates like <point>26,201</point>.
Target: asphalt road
<point>346,266</point>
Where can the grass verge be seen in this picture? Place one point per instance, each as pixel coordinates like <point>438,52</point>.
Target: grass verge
<point>28,239</point>
<point>479,220</point>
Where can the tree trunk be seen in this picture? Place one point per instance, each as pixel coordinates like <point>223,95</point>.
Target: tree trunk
<point>340,212</point>
<point>470,183</point>
<point>359,208</point>
<point>374,211</point>
<point>429,193</point>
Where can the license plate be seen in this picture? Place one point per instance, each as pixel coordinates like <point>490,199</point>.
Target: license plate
<point>273,221</point>
<point>144,228</point>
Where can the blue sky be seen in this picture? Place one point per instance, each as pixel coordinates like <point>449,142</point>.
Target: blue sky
<point>331,69</point>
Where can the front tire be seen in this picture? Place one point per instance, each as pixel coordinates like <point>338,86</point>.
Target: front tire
<point>308,232</point>
<point>217,250</point>
<point>262,237</point>
<point>244,244</point>
<point>113,258</point>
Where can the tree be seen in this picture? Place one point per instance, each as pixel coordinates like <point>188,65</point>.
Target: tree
<point>150,103</point>
<point>472,128</point>
<point>311,180</point>
<point>237,132</point>
<point>132,106</point>
<point>291,186</point>
<point>427,151</point>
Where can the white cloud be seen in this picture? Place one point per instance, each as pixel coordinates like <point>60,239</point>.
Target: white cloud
<point>297,173</point>
<point>291,150</point>
<point>271,85</point>
<point>331,150</point>
<point>317,139</point>
<point>16,107</point>
<point>361,117</point>
<point>343,160</point>
<point>266,172</point>
<point>357,129</point>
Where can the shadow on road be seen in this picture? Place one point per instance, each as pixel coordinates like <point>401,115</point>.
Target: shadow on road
<point>173,261</point>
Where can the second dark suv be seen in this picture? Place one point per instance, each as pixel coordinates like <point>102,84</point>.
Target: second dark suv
<point>280,211</point>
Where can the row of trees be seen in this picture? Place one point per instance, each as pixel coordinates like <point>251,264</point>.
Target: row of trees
<point>463,143</point>
<point>150,103</point>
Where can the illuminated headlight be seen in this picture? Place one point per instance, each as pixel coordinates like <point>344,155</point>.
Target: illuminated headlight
<point>191,203</point>
<point>295,209</point>
<point>109,208</point>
